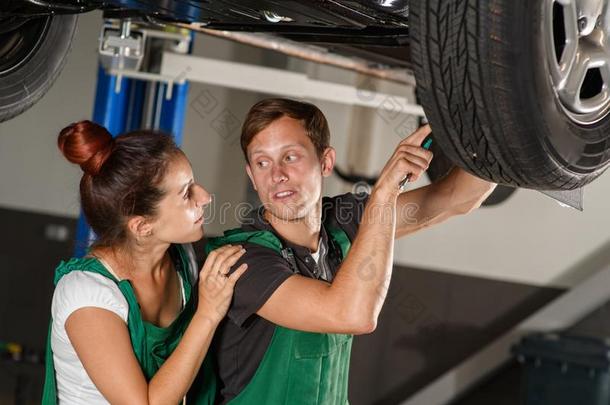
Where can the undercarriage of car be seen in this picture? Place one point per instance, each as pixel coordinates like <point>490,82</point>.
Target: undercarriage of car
<point>516,92</point>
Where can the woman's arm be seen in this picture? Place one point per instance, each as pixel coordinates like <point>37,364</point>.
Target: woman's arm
<point>101,341</point>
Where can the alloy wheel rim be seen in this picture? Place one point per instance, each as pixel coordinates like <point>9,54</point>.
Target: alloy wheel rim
<point>578,55</point>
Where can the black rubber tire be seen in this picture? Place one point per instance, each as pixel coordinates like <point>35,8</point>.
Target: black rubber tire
<point>441,165</point>
<point>31,78</point>
<point>484,84</point>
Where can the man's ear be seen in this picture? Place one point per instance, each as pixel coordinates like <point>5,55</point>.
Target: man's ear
<point>249,171</point>
<point>139,226</point>
<point>328,161</point>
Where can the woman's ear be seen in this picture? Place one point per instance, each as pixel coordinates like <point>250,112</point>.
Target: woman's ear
<point>139,227</point>
<point>328,161</point>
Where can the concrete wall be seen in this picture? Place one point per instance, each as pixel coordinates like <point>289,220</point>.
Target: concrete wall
<point>529,239</point>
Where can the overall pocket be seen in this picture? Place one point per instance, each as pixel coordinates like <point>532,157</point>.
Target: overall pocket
<point>319,368</point>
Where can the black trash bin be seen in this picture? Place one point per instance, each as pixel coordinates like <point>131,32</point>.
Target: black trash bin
<point>564,369</point>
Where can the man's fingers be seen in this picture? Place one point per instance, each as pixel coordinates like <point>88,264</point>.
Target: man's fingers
<point>416,150</point>
<point>415,159</point>
<point>408,161</point>
<point>417,137</point>
<point>404,166</point>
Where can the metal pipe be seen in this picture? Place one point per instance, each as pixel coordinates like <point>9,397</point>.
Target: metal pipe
<point>125,28</point>
<point>308,52</point>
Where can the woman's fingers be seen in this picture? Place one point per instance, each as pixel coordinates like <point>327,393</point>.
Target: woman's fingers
<point>215,284</point>
<point>232,279</point>
<point>211,258</point>
<point>225,265</point>
<point>216,275</point>
<point>217,257</point>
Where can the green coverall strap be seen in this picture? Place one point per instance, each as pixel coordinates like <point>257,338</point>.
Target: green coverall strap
<point>236,236</point>
<point>152,344</point>
<point>298,367</point>
<point>49,393</point>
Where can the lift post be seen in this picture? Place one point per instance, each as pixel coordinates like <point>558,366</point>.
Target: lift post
<point>121,102</point>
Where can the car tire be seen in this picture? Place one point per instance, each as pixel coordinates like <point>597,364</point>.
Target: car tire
<point>32,53</point>
<point>485,79</point>
<point>441,165</point>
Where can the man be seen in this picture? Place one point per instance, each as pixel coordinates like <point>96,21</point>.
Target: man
<point>319,268</point>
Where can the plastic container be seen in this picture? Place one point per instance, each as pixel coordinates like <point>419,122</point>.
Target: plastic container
<point>563,369</point>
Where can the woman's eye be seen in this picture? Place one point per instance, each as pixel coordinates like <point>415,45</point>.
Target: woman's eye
<point>188,193</point>
<point>262,163</point>
<point>291,158</point>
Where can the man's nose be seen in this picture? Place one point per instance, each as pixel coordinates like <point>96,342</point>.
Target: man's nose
<point>278,174</point>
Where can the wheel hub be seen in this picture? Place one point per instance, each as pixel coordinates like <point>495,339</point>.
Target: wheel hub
<point>578,55</point>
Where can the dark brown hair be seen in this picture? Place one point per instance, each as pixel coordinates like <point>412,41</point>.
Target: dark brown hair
<point>121,175</point>
<point>263,113</point>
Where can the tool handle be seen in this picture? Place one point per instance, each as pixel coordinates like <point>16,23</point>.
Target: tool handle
<point>426,144</point>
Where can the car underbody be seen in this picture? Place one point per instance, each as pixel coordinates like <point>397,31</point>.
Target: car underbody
<point>373,30</point>
<point>516,92</point>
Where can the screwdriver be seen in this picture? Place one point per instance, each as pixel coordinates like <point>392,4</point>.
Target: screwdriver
<point>426,144</point>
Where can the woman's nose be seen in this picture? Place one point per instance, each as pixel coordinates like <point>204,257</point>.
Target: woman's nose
<point>203,197</point>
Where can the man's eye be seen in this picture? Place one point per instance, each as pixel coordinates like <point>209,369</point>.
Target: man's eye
<point>291,158</point>
<point>262,163</point>
<point>187,194</point>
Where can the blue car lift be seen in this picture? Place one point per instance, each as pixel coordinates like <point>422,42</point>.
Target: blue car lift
<point>120,108</point>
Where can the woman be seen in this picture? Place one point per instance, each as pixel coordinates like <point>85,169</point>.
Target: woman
<point>128,324</point>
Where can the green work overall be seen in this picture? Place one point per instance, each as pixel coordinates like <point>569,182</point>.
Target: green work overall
<point>152,345</point>
<point>298,367</point>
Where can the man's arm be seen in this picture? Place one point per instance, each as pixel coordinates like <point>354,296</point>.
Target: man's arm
<point>353,301</point>
<point>458,193</point>
<point>351,304</point>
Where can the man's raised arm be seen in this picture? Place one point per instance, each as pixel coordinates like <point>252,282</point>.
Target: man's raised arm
<point>351,304</point>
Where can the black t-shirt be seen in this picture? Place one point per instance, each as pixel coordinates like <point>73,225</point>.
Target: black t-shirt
<point>242,337</point>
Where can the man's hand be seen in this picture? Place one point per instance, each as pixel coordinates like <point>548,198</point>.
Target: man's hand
<point>457,193</point>
<point>409,159</point>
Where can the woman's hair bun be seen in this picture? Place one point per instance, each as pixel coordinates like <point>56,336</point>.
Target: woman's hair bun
<point>87,144</point>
